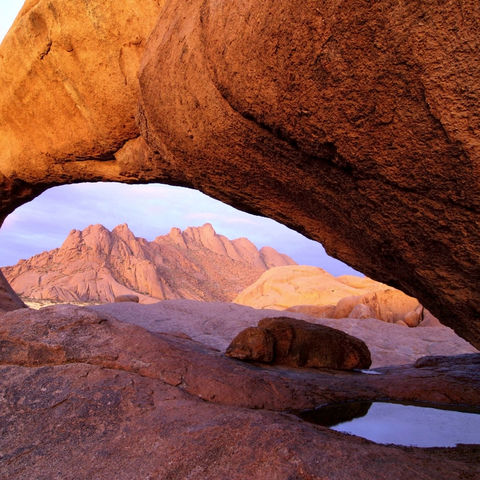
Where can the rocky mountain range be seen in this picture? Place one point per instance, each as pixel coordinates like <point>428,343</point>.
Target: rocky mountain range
<point>97,264</point>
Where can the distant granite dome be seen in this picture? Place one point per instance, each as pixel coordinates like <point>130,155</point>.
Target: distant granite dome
<point>315,292</point>
<point>289,286</point>
<point>97,265</point>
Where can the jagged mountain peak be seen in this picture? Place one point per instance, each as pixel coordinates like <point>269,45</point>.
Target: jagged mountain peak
<point>96,264</point>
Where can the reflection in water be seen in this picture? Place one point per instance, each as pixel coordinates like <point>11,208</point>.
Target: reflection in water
<point>399,424</point>
<point>330,415</point>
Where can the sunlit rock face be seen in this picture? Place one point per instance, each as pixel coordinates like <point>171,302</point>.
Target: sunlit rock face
<point>356,124</point>
<point>69,91</point>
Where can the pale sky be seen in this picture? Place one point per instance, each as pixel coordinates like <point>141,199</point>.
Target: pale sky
<point>149,210</point>
<point>8,12</point>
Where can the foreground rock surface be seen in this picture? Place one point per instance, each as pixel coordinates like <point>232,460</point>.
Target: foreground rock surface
<point>295,343</point>
<point>131,403</point>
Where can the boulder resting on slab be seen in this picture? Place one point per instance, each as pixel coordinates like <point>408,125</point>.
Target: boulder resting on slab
<point>295,343</point>
<point>133,403</point>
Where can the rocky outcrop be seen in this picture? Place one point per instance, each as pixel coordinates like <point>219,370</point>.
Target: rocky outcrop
<point>8,298</point>
<point>379,114</point>
<point>134,402</point>
<point>292,285</point>
<point>276,108</point>
<point>295,343</point>
<point>315,292</point>
<point>353,122</point>
<point>388,305</point>
<point>98,265</point>
<point>68,76</point>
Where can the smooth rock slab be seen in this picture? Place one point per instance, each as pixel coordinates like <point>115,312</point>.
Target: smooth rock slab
<point>83,422</point>
<point>65,334</point>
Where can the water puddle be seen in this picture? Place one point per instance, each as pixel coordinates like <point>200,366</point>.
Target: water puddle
<point>394,423</point>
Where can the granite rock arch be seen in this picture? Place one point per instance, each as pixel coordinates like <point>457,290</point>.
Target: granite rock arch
<point>357,125</point>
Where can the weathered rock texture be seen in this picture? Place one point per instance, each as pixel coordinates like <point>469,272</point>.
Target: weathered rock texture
<point>253,344</point>
<point>98,265</point>
<point>126,298</point>
<point>68,76</point>
<point>360,122</point>
<point>296,343</point>
<point>355,123</point>
<point>388,305</point>
<point>86,396</point>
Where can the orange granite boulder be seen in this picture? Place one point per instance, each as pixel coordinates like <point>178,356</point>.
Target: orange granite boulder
<point>296,343</point>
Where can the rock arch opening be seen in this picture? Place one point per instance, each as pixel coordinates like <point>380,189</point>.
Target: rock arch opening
<point>74,231</point>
